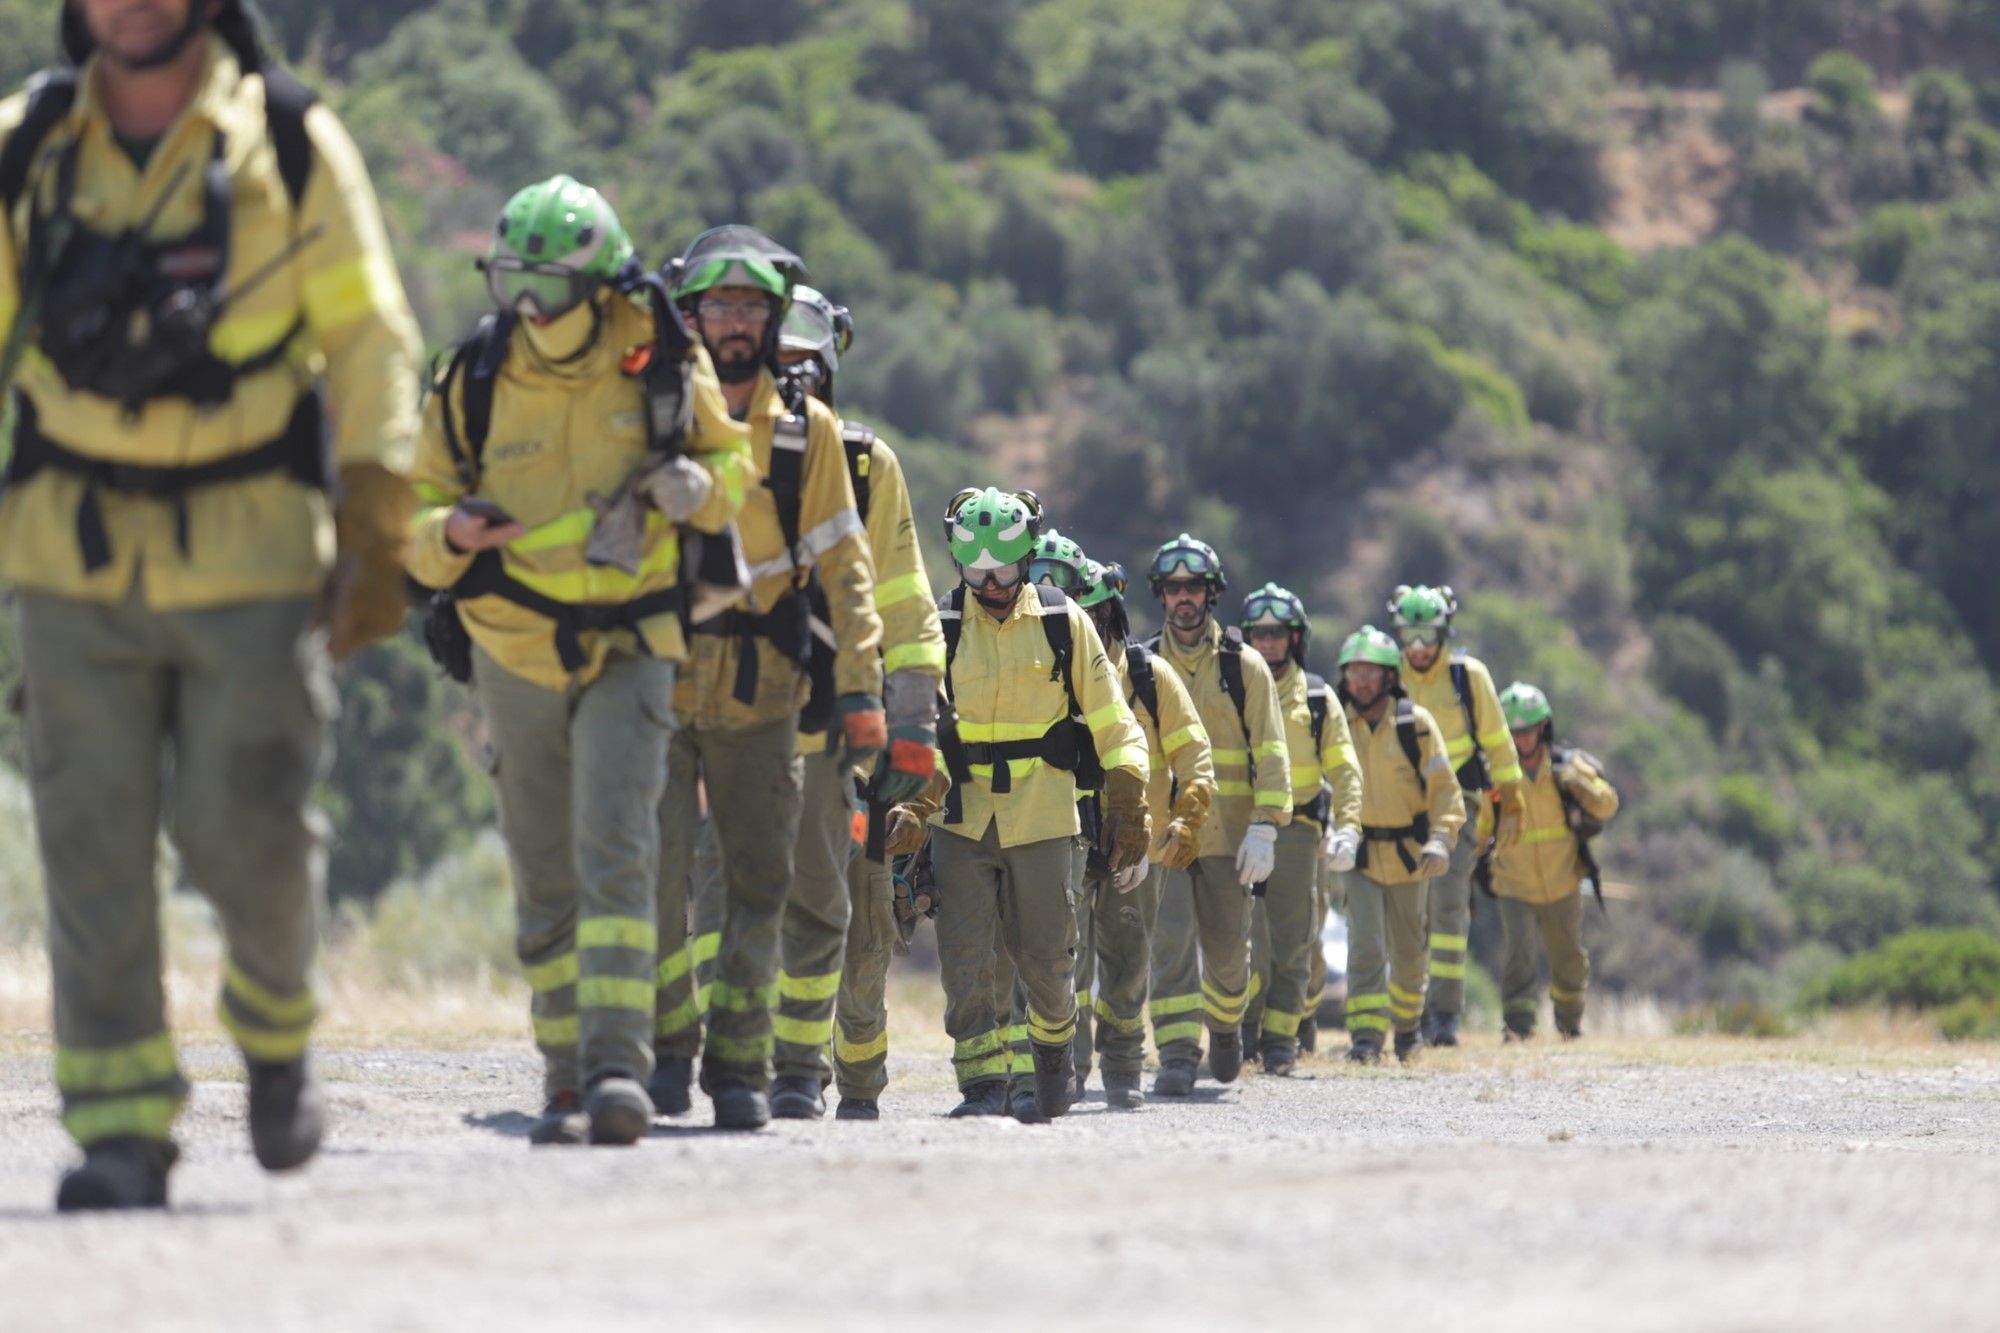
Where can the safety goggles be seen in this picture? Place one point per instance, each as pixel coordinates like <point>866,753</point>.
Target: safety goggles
<point>541,291</point>
<point>1411,636</point>
<point>1191,562</point>
<point>999,576</point>
<point>716,310</point>
<point>1056,573</point>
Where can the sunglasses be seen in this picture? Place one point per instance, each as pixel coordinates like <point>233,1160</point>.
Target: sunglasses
<point>1176,587</point>
<point>1259,633</point>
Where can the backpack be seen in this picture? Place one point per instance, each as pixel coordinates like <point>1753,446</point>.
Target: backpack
<point>787,484</point>
<point>1229,661</point>
<point>1145,685</point>
<point>1417,830</point>
<point>1473,774</point>
<point>1580,822</point>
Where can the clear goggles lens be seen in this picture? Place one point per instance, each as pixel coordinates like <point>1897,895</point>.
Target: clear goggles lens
<point>546,290</point>
<point>1000,576</point>
<point>1413,635</point>
<point>1055,573</point>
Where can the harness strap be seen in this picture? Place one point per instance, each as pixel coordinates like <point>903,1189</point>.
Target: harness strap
<point>787,626</point>
<point>488,577</point>
<point>1417,830</point>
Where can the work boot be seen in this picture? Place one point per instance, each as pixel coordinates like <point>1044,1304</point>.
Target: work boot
<point>1407,1046</point>
<point>797,1097</point>
<point>1121,1091</point>
<point>1175,1079</point>
<point>1025,1107</point>
<point>1444,1031</point>
<point>668,1087</point>
<point>857,1108</point>
<point>1251,1035</point>
<point>1427,1023</point>
<point>1055,1078</point>
<point>1278,1058</point>
<point>986,1097</point>
<point>118,1173</point>
<point>287,1113</point>
<point>1078,1086</point>
<point>1516,1038</point>
<point>1364,1052</point>
<point>620,1111</point>
<point>1309,1034</point>
<point>1571,1034</point>
<point>740,1106</point>
<point>1225,1055</point>
<point>563,1123</point>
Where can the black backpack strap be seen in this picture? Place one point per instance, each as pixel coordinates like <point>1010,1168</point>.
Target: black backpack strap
<point>1319,698</point>
<point>286,101</point>
<point>951,618</point>
<point>1231,660</point>
<point>787,477</point>
<point>1406,733</point>
<point>51,95</point>
<point>1473,774</point>
<point>1145,685</point>
<point>477,362</point>
<point>860,444</point>
<point>1573,814</point>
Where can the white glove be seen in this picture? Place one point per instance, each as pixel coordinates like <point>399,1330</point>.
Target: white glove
<point>1132,877</point>
<point>1257,854</point>
<point>677,487</point>
<point>1434,860</point>
<point>1342,847</point>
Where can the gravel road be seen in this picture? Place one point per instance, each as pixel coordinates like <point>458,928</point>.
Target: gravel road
<point>1666,1185</point>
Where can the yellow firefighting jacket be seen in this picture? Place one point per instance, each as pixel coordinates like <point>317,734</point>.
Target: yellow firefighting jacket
<point>1433,690</point>
<point>1544,867</point>
<point>830,536</point>
<point>262,536</point>
<point>1332,761</point>
<point>1177,747</point>
<point>1394,794</point>
<point>1001,685</point>
<point>560,436</point>
<point>912,638</point>
<point>1253,782</point>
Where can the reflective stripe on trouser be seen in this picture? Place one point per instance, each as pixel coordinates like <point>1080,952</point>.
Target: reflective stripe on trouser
<point>1009,991</point>
<point>813,932</point>
<point>1201,956</point>
<point>1021,895</point>
<point>861,1010</point>
<point>1386,957</point>
<point>243,696</point>
<point>1283,938</point>
<point>578,773</point>
<point>1560,926</point>
<point>1451,918</point>
<point>1121,927</point>
<point>754,784</point>
<point>689,941</point>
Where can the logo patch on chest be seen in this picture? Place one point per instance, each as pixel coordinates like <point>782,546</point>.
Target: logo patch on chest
<point>513,450</point>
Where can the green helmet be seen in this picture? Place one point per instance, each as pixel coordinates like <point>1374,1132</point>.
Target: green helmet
<point>1058,562</point>
<point>1273,605</point>
<point>1523,706</point>
<point>735,256</point>
<point>556,243</point>
<point>1424,610</point>
<point>1369,644</point>
<point>1184,554</point>
<point>990,530</point>
<point>1101,583</point>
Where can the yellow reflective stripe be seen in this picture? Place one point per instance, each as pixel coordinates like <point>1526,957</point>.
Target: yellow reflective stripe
<point>1281,1024</point>
<point>1367,1023</point>
<point>339,294</point>
<point>854,1052</point>
<point>278,1010</point>
<point>571,529</point>
<point>1397,995</point>
<point>1445,971</point>
<point>564,1031</point>
<point>552,975</point>
<point>238,338</point>
<point>1504,775</point>
<point>1105,1015</point>
<point>1306,776</point>
<point>900,589</point>
<point>1099,718</point>
<point>1175,1004</point>
<point>1221,1006</point>
<point>432,496</point>
<point>1458,747</point>
<point>1223,788</point>
<point>1005,731</point>
<point>1492,740</point>
<point>701,949</point>
<point>1256,985</point>
<point>915,657</point>
<point>992,1066</point>
<point>1280,799</point>
<point>1192,732</point>
<point>681,1017</point>
<point>115,1068</point>
<point>1271,749</point>
<point>615,993</point>
<point>616,932</point>
<point>1230,756</point>
<point>1448,941</point>
<point>1017,1034</point>
<point>1021,1063</point>
<point>822,987</point>
<point>1047,1032</point>
<point>741,999</point>
<point>990,1040</point>
<point>739,1050</point>
<point>802,1032</point>
<point>1341,756</point>
<point>264,1044</point>
<point>1368,1000</point>
<point>602,584</point>
<point>1546,834</point>
<point>1124,756</point>
<point>1166,1033</point>
<point>1558,993</point>
<point>150,1116</point>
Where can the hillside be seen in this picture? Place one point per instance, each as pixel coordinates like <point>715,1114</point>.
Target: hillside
<point>1664,336</point>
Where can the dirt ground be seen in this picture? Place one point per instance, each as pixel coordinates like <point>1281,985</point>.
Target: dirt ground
<point>1663,1183</point>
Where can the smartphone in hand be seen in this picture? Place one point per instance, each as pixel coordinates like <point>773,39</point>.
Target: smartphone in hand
<point>489,514</point>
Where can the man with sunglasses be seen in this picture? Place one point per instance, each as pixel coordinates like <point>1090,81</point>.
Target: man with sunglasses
<point>1003,833</point>
<point>1201,940</point>
<point>573,662</point>
<point>1459,693</point>
<point>748,679</point>
<point>1326,816</point>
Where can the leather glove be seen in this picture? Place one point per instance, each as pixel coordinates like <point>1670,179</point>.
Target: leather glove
<point>1128,832</point>
<point>1257,854</point>
<point>1127,880</point>
<point>1513,815</point>
<point>1434,860</point>
<point>859,731</point>
<point>909,703</point>
<point>363,598</point>
<point>677,488</point>
<point>1343,848</point>
<point>908,827</point>
<point>1180,841</point>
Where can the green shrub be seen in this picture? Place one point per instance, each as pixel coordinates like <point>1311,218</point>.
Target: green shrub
<point>1886,241</point>
<point>1921,969</point>
<point>1843,92</point>
<point>1970,1020</point>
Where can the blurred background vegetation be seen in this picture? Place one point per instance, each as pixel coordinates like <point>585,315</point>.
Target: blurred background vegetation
<point>1667,332</point>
